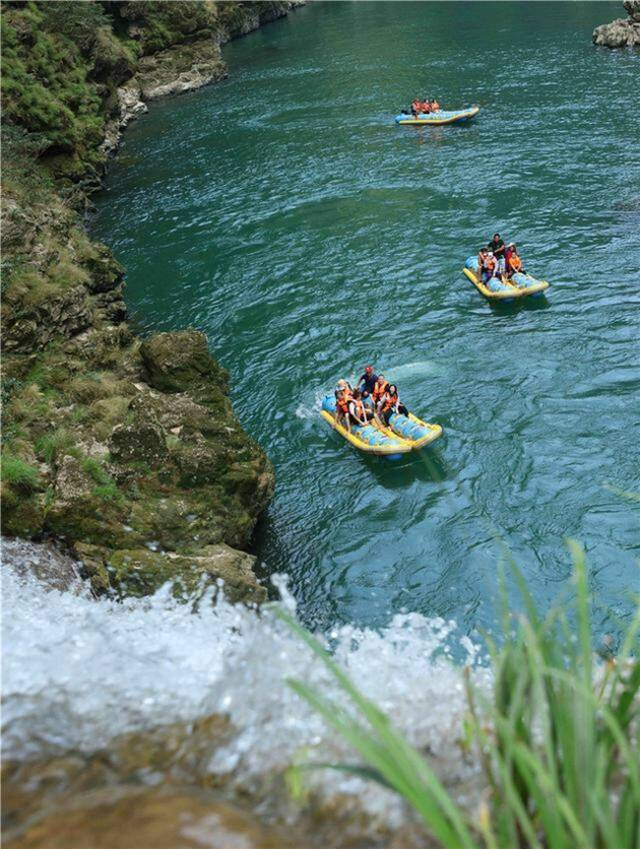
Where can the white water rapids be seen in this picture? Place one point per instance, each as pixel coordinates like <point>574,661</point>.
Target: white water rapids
<point>78,671</point>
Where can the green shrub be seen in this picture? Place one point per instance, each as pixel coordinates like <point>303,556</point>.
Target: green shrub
<point>96,471</point>
<point>53,447</point>
<point>162,24</point>
<point>18,473</point>
<point>108,492</point>
<point>45,86</point>
<point>558,742</point>
<point>91,387</point>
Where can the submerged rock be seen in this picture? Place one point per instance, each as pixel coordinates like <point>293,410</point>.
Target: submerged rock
<point>623,32</point>
<point>139,818</point>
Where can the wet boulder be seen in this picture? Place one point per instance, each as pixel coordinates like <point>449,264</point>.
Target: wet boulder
<point>142,571</point>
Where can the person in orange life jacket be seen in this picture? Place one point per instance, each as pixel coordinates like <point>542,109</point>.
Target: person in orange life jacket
<point>341,386</point>
<point>489,267</point>
<point>434,105</point>
<point>512,260</point>
<point>367,381</point>
<point>358,413</point>
<point>415,106</point>
<point>391,404</point>
<point>379,389</point>
<point>343,397</point>
<point>425,106</point>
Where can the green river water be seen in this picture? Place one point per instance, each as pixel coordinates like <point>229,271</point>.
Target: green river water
<point>283,213</point>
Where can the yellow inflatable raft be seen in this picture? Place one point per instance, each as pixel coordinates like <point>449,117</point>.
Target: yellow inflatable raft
<point>502,289</point>
<point>403,434</point>
<point>437,119</point>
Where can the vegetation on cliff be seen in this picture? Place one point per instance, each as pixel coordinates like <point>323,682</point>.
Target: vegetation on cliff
<point>128,450</point>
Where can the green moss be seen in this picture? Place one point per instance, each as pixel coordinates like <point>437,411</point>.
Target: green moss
<point>18,473</point>
<point>22,516</point>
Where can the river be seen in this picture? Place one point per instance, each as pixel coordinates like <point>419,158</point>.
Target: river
<point>283,213</point>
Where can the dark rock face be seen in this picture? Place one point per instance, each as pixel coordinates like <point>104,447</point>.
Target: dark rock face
<point>623,32</point>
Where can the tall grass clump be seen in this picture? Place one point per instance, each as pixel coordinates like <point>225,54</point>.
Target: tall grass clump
<point>557,737</point>
<point>18,473</point>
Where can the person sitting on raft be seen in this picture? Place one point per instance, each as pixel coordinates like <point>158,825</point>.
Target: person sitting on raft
<point>379,390</point>
<point>434,105</point>
<point>512,260</point>
<point>487,265</point>
<point>416,106</point>
<point>482,256</point>
<point>425,106</point>
<point>342,386</point>
<point>391,404</point>
<point>343,397</point>
<point>358,413</point>
<point>497,246</point>
<point>367,381</point>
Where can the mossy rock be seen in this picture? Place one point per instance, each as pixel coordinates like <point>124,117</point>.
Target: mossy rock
<point>23,515</point>
<point>142,441</point>
<point>179,521</point>
<point>113,62</point>
<point>181,362</point>
<point>140,571</point>
<point>83,508</point>
<point>104,271</point>
<point>200,462</point>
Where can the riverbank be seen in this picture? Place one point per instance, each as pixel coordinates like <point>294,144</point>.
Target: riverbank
<point>126,450</point>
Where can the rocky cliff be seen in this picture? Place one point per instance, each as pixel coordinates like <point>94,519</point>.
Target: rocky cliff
<point>623,32</point>
<point>126,449</point>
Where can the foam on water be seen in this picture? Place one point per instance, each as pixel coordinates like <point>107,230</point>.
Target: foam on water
<point>423,368</point>
<point>79,671</point>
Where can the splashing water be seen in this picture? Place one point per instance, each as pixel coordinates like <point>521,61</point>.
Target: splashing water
<point>78,671</point>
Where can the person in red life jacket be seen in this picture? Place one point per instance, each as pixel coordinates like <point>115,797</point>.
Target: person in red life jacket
<point>425,106</point>
<point>367,381</point>
<point>415,106</point>
<point>391,404</point>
